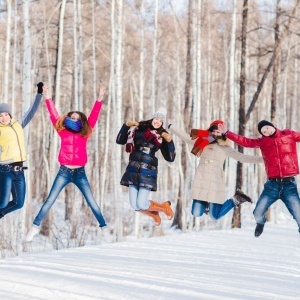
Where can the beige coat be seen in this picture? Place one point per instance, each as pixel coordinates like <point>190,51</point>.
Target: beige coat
<point>209,182</point>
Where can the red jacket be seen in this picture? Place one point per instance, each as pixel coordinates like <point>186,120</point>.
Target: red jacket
<point>73,145</point>
<point>279,152</point>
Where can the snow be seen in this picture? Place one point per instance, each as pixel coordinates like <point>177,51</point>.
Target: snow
<point>209,264</point>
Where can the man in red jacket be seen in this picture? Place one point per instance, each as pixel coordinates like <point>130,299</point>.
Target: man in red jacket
<point>278,148</point>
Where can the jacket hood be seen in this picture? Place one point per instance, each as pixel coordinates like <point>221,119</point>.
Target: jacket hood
<point>221,142</point>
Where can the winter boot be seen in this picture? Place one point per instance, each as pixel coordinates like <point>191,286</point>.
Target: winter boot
<point>106,235</point>
<point>259,229</point>
<point>164,207</point>
<point>240,197</point>
<point>32,232</point>
<point>153,214</point>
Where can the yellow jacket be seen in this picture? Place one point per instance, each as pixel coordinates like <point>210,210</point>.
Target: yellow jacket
<point>12,143</point>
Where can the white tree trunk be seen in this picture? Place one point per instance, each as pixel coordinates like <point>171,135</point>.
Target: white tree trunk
<point>117,102</point>
<point>80,59</point>
<point>26,96</point>
<point>232,121</point>
<point>232,84</point>
<point>294,116</point>
<point>199,69</point>
<point>153,85</point>
<point>96,134</point>
<point>13,92</point>
<point>57,84</point>
<point>142,79</point>
<point>7,52</point>
<point>75,56</point>
<point>59,53</point>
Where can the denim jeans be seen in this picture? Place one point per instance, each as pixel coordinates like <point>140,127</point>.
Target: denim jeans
<point>273,190</point>
<point>11,182</point>
<point>64,177</point>
<point>138,197</point>
<point>216,211</point>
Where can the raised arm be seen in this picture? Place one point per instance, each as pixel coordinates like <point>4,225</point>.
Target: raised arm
<point>27,117</point>
<point>93,117</point>
<point>181,134</point>
<point>54,116</point>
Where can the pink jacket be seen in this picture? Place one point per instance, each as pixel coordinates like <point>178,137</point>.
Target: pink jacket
<point>73,145</point>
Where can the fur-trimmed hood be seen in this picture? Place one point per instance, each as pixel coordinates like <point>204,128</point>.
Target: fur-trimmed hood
<point>221,142</point>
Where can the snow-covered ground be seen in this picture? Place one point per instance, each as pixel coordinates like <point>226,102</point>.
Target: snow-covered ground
<point>219,264</point>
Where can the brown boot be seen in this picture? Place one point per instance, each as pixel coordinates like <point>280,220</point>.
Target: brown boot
<point>240,197</point>
<point>153,214</point>
<point>164,207</point>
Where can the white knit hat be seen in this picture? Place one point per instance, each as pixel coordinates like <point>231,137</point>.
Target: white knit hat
<point>161,113</point>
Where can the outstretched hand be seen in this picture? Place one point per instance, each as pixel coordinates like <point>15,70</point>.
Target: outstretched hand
<point>101,93</point>
<point>45,91</point>
<point>222,129</point>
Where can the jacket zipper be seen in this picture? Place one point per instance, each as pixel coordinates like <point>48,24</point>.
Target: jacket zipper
<point>279,162</point>
<point>18,141</point>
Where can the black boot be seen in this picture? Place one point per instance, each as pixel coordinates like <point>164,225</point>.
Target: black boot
<point>259,229</point>
<point>240,197</point>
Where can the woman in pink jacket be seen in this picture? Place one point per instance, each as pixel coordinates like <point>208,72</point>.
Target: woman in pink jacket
<point>74,130</point>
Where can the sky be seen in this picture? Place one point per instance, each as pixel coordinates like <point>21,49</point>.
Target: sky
<point>209,264</point>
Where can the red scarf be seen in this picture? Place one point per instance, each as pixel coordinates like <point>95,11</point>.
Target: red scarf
<point>201,142</point>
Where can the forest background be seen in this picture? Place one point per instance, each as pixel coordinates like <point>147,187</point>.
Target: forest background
<point>201,60</point>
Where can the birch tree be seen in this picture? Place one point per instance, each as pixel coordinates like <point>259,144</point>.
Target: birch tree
<point>7,51</point>
<point>154,52</point>
<point>26,95</point>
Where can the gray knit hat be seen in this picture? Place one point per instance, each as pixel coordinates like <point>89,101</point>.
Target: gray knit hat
<point>4,107</point>
<point>161,113</point>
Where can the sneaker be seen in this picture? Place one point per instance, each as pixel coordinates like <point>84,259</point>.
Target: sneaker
<point>32,232</point>
<point>240,197</point>
<point>259,229</point>
<point>106,235</point>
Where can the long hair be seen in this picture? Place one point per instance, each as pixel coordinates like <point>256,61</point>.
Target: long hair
<point>86,128</point>
<point>148,123</point>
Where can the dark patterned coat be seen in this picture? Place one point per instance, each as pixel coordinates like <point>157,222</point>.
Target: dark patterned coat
<point>142,167</point>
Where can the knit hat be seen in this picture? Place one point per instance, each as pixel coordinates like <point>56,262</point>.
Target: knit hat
<point>4,107</point>
<point>161,114</point>
<point>263,123</point>
<point>215,122</point>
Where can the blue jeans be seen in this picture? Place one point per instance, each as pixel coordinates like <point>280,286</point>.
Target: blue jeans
<point>216,211</point>
<point>273,190</point>
<point>11,182</point>
<point>64,177</point>
<point>138,197</point>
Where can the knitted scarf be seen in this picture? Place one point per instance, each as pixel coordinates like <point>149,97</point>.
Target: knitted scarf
<point>149,135</point>
<point>202,141</point>
<point>73,126</point>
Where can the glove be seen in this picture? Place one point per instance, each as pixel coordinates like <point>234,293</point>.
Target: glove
<point>40,88</point>
<point>211,138</point>
<point>166,137</point>
<point>129,124</point>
